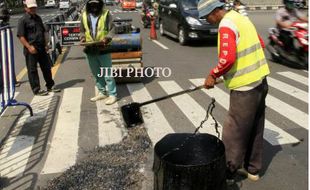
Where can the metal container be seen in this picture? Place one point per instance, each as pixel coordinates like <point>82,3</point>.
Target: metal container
<point>184,161</point>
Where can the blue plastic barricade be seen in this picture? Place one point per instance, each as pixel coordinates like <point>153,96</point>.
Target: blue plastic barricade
<point>7,70</point>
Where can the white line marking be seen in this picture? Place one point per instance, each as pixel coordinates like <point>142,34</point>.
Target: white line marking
<point>288,89</point>
<point>273,134</point>
<point>110,126</point>
<point>155,122</point>
<point>64,143</point>
<point>17,149</point>
<point>160,44</point>
<point>295,77</point>
<point>287,111</point>
<point>193,111</point>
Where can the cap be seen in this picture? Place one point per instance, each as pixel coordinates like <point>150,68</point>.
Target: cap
<point>30,3</point>
<point>205,7</point>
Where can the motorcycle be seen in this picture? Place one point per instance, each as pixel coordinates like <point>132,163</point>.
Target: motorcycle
<point>147,16</point>
<point>296,56</point>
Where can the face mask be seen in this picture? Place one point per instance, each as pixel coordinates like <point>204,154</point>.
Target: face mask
<point>94,8</point>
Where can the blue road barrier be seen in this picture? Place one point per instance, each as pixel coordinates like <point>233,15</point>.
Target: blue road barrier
<point>7,71</point>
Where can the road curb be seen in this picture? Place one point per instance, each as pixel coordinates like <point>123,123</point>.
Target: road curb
<point>264,7</point>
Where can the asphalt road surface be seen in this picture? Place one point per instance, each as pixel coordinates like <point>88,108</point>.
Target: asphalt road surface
<point>66,125</point>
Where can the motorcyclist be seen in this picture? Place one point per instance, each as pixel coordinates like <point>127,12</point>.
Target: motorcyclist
<point>146,7</point>
<point>285,17</point>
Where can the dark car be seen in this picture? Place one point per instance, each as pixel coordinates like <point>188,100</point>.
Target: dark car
<point>179,19</point>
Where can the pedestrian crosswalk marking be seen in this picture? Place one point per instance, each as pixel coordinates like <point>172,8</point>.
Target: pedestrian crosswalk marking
<point>110,126</point>
<point>287,111</point>
<point>288,89</point>
<point>273,134</point>
<point>295,77</point>
<point>12,165</point>
<point>155,122</point>
<point>191,109</point>
<point>64,142</point>
<point>17,149</point>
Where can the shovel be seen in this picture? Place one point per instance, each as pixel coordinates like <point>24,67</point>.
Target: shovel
<point>132,114</point>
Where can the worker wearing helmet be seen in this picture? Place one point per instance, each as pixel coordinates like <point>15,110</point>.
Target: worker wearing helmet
<point>97,26</point>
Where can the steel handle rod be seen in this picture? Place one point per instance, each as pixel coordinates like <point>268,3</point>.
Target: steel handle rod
<point>176,94</point>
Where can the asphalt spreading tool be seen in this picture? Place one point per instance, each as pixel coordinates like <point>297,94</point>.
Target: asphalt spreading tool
<point>132,114</point>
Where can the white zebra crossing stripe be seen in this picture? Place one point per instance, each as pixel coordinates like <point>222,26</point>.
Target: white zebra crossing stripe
<point>64,144</point>
<point>287,111</point>
<point>295,77</point>
<point>15,163</point>
<point>191,109</point>
<point>155,122</point>
<point>288,89</point>
<point>17,149</point>
<point>273,134</point>
<point>110,126</point>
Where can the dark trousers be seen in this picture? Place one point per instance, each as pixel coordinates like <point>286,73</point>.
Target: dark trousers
<point>31,61</point>
<point>286,38</point>
<point>244,129</point>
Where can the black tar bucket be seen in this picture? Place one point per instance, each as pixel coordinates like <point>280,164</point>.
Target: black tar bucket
<point>198,164</point>
<point>132,114</point>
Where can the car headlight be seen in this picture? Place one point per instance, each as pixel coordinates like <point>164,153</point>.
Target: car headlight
<point>193,21</point>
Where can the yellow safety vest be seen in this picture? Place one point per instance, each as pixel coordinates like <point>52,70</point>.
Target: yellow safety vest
<point>101,30</point>
<point>250,65</point>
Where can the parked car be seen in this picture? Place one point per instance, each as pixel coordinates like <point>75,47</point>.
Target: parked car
<point>179,19</point>
<point>51,4</point>
<point>129,4</point>
<point>64,4</point>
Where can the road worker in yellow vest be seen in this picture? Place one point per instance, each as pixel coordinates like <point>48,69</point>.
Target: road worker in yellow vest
<point>243,66</point>
<point>97,26</point>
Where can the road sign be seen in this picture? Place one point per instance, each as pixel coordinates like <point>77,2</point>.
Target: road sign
<point>70,35</point>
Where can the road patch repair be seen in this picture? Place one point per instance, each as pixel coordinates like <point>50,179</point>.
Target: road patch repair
<point>181,161</point>
<point>116,167</point>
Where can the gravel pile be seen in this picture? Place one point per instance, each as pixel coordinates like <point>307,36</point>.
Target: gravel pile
<point>112,167</point>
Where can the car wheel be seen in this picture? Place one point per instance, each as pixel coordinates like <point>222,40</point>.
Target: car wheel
<point>182,36</point>
<point>161,28</point>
